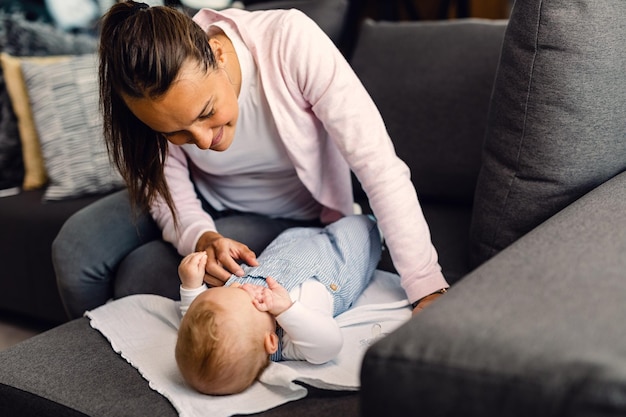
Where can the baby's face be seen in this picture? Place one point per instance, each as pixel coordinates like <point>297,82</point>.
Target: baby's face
<point>243,333</point>
<point>236,306</point>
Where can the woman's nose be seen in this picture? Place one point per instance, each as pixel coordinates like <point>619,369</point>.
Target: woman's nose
<point>202,137</point>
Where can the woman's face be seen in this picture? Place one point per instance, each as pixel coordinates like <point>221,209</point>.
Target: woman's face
<point>199,108</point>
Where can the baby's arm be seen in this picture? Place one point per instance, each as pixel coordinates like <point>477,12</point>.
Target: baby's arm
<point>191,270</point>
<point>191,274</point>
<point>311,332</point>
<point>274,298</point>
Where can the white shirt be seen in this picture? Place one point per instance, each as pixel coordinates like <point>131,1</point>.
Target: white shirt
<point>255,174</point>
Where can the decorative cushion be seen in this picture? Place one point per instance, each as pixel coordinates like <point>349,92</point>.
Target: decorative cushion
<point>35,172</point>
<point>556,128</point>
<point>21,37</point>
<point>435,117</point>
<point>11,165</point>
<point>64,100</point>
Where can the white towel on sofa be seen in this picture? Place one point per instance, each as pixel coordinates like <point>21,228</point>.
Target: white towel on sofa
<point>142,329</point>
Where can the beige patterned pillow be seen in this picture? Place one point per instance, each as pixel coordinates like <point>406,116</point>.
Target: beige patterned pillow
<point>64,102</point>
<point>35,172</point>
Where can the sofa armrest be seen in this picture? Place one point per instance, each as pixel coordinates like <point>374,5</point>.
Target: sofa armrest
<point>534,330</point>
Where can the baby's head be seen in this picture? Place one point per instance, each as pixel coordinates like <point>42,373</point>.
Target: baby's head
<point>224,342</point>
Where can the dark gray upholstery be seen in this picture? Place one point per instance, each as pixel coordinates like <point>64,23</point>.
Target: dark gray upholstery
<point>536,331</point>
<point>330,15</point>
<point>28,284</point>
<point>557,123</point>
<point>78,371</point>
<point>418,75</point>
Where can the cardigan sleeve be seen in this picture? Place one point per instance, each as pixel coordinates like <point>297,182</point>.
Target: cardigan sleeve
<point>193,221</point>
<point>317,70</point>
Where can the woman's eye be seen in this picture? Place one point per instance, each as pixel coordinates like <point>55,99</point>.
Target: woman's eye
<point>208,115</point>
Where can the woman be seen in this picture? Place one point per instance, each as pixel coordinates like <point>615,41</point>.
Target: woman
<point>228,129</point>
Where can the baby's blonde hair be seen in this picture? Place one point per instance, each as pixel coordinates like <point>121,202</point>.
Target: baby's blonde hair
<point>214,355</point>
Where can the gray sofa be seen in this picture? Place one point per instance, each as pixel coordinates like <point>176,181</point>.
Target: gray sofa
<point>531,324</point>
<point>536,329</point>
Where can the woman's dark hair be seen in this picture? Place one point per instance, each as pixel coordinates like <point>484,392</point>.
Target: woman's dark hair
<point>141,53</point>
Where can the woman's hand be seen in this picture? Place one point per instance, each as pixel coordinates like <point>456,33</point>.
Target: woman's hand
<point>222,256</point>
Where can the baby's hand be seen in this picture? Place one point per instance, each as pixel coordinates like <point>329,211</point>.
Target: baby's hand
<point>191,270</point>
<point>274,299</point>
<point>255,291</point>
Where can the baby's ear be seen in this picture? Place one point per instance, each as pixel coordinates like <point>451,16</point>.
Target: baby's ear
<point>271,343</point>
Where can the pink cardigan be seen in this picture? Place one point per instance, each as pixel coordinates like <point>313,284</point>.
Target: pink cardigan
<point>328,124</point>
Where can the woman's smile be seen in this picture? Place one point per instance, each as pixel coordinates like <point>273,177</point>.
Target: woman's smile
<point>199,108</point>
<point>218,137</point>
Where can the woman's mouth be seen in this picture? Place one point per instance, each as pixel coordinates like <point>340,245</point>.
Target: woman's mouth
<point>218,138</point>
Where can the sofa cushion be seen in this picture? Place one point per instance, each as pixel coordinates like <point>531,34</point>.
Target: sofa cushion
<point>22,37</point>
<point>432,82</point>
<point>535,331</point>
<point>81,375</point>
<point>11,164</point>
<point>31,148</point>
<point>556,127</point>
<point>64,101</point>
<point>28,227</point>
<point>328,14</point>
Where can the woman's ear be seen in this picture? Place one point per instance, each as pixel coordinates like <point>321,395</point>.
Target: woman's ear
<point>271,343</point>
<point>218,51</point>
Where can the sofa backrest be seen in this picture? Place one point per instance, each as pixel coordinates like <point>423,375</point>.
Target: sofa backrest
<point>330,15</point>
<point>557,126</point>
<point>432,82</point>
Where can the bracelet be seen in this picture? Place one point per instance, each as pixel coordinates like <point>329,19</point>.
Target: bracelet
<point>441,291</point>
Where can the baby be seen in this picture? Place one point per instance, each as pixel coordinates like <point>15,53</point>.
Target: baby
<point>283,309</point>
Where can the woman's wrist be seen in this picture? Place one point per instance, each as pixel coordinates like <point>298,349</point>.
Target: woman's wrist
<point>431,295</point>
<point>206,239</point>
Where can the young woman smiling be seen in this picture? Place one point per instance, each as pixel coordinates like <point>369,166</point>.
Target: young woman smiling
<point>228,129</point>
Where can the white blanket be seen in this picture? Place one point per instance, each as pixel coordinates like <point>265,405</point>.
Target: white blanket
<point>142,329</point>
